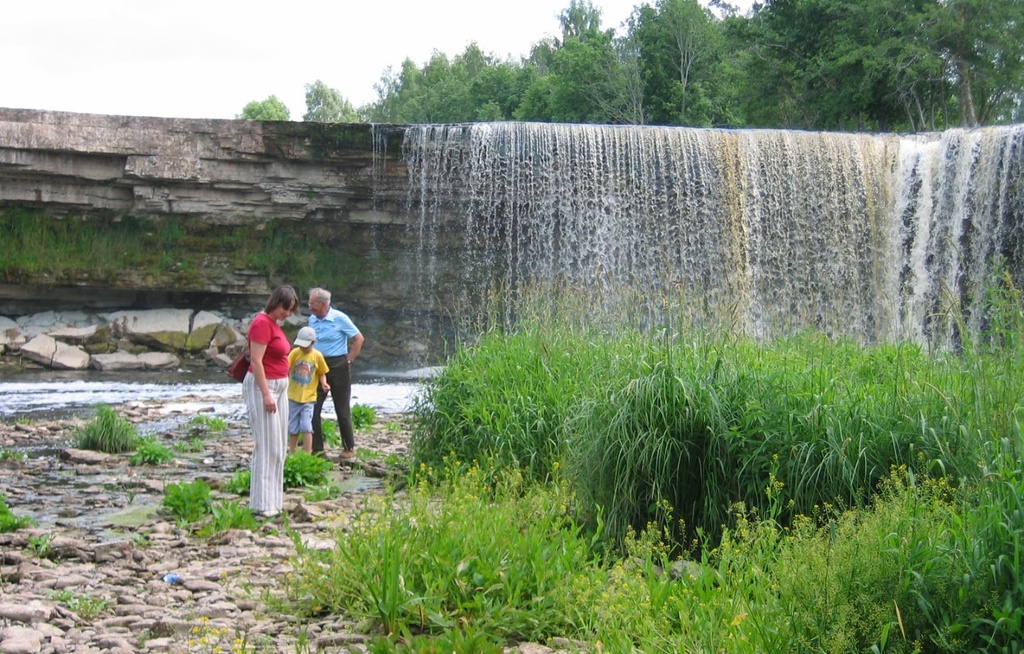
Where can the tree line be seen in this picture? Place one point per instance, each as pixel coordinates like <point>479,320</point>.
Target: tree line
<point>860,65</point>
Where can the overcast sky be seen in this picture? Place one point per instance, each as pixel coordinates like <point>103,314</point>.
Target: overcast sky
<point>209,58</point>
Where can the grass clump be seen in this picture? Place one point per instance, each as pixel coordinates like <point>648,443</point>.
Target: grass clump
<point>302,470</point>
<point>188,503</point>
<point>10,522</point>
<point>108,432</point>
<point>363,417</point>
<point>85,605</point>
<point>239,483</point>
<point>150,451</point>
<point>488,551</point>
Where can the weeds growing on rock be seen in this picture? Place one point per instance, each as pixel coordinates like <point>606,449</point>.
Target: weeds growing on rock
<point>9,521</point>
<point>86,606</point>
<point>108,432</point>
<point>150,451</point>
<point>188,503</point>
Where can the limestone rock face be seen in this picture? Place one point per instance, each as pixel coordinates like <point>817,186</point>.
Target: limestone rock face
<point>204,326</point>
<point>54,354</point>
<point>166,329</point>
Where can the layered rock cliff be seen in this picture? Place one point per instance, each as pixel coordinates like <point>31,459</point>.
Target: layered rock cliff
<point>223,210</point>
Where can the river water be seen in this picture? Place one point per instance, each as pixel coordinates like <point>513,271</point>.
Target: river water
<point>55,394</point>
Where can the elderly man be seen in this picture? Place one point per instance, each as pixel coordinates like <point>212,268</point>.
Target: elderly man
<point>339,340</point>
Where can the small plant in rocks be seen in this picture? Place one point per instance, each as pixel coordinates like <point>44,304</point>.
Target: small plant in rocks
<point>199,426</point>
<point>9,521</point>
<point>86,606</point>
<point>302,469</point>
<point>12,455</point>
<point>40,545</point>
<point>228,514</point>
<point>188,502</point>
<point>150,451</point>
<point>239,483</point>
<point>330,432</point>
<point>108,432</point>
<point>363,417</point>
<point>191,445</point>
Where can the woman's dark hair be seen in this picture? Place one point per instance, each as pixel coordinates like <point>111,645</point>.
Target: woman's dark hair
<point>283,296</point>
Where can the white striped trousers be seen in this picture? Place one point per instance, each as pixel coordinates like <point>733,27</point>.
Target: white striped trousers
<point>270,444</point>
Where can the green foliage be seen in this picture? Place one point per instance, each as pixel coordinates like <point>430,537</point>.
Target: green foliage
<point>327,105</point>
<point>269,109</point>
<point>12,455</point>
<point>228,514</point>
<point>321,493</point>
<point>191,445</point>
<point>86,606</point>
<point>332,437</point>
<point>63,251</point>
<point>199,426</point>
<point>302,470</point>
<point>9,521</point>
<point>150,451</point>
<point>239,483</point>
<point>363,417</point>
<point>188,503</point>
<point>108,432</point>
<point>490,551</point>
<point>40,545</point>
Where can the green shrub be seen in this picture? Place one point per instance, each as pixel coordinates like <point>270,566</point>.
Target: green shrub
<point>239,483</point>
<point>150,451</point>
<point>363,417</point>
<point>330,431</point>
<point>226,515</point>
<point>10,522</point>
<point>188,502</point>
<point>192,445</point>
<point>86,606</point>
<point>199,426</point>
<point>108,432</point>
<point>302,469</point>
<point>488,550</point>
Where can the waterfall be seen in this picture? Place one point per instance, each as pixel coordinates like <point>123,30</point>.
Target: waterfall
<point>874,237</point>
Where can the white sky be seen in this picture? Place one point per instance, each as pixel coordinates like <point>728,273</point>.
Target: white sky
<point>208,59</point>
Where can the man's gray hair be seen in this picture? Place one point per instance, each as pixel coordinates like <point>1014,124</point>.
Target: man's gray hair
<point>320,295</point>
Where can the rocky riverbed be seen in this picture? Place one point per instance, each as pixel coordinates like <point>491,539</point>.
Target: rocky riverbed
<point>102,535</point>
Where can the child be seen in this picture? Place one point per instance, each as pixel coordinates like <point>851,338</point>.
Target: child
<point>306,368</point>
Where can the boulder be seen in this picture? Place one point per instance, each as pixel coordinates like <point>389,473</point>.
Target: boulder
<point>54,354</point>
<point>82,335</point>
<point>204,327</point>
<point>163,329</point>
<point>117,361</point>
<point>159,360</point>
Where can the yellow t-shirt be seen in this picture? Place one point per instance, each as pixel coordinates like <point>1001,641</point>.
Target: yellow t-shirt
<point>304,372</point>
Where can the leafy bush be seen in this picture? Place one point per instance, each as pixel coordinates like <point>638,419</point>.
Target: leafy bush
<point>205,425</point>
<point>239,483</point>
<point>191,445</point>
<point>150,451</point>
<point>86,606</point>
<point>226,515</point>
<point>302,469</point>
<point>108,432</point>
<point>363,417</point>
<point>188,502</point>
<point>9,521</point>
<point>330,431</point>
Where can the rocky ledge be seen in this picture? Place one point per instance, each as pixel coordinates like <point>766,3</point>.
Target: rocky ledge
<point>101,533</point>
<point>149,339</point>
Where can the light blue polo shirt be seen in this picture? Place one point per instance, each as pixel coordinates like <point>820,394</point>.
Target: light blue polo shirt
<point>333,332</point>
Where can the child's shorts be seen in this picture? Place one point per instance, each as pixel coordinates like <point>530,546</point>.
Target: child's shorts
<point>300,417</point>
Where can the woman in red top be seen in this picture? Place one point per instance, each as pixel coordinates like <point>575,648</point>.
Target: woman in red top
<point>265,391</point>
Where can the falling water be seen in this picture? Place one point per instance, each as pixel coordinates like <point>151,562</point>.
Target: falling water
<point>868,236</point>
